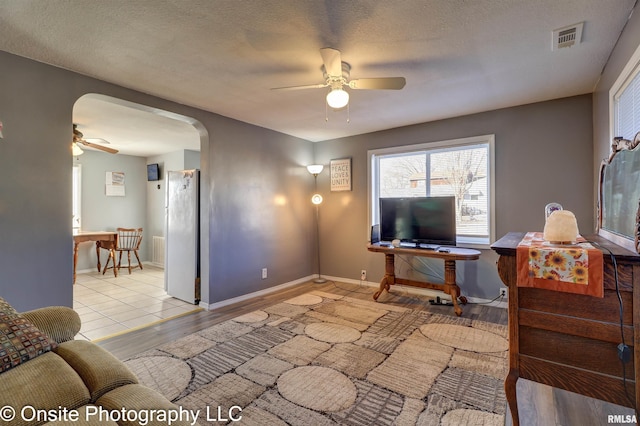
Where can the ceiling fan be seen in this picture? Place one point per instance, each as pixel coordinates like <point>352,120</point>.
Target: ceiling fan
<point>336,76</point>
<point>78,138</point>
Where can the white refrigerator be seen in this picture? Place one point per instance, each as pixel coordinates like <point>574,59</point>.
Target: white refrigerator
<point>182,236</point>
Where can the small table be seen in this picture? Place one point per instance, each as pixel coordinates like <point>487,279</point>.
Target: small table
<point>98,237</point>
<point>449,286</point>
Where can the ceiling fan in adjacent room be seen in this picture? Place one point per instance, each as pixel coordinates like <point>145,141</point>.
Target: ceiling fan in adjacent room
<point>336,76</point>
<point>78,139</point>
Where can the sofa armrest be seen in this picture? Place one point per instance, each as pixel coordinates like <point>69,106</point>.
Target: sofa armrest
<point>58,322</point>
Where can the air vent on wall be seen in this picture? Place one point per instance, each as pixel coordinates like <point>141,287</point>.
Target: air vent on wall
<point>567,36</point>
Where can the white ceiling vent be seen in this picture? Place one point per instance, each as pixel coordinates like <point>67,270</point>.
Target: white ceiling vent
<point>567,36</point>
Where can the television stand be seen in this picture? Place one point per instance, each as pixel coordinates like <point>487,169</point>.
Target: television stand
<point>449,286</point>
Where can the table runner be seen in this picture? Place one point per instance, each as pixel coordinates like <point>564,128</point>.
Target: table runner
<point>572,268</point>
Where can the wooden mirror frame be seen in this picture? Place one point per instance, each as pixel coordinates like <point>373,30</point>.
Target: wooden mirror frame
<point>632,242</point>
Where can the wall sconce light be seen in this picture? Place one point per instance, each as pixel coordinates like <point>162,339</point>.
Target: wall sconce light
<point>315,170</point>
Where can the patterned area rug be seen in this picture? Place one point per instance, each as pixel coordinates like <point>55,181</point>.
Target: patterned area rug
<point>323,359</point>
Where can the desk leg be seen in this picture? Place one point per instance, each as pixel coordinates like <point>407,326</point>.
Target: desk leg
<point>75,260</point>
<point>450,286</point>
<point>98,254</point>
<point>389,275</point>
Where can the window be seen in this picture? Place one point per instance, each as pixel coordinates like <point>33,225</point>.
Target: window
<point>625,100</point>
<point>627,109</point>
<point>76,185</point>
<point>461,167</point>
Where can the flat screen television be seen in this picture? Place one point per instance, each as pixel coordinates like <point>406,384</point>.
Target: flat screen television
<point>419,220</point>
<point>153,172</point>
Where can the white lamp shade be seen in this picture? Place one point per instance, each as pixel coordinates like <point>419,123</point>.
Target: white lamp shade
<point>315,169</point>
<point>337,98</point>
<point>75,150</point>
<point>316,199</point>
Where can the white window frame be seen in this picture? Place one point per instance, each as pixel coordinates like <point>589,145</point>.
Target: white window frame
<point>76,200</point>
<point>628,73</point>
<point>374,191</point>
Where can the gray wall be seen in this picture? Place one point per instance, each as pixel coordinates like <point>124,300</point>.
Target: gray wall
<point>543,153</point>
<point>253,182</point>
<point>260,210</point>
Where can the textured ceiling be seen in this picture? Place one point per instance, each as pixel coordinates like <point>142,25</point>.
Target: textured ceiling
<point>458,56</point>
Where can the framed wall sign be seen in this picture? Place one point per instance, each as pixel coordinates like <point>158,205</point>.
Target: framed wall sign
<point>341,174</point>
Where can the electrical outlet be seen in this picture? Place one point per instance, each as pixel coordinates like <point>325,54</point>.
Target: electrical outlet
<point>503,292</point>
<point>264,273</point>
<point>363,275</point>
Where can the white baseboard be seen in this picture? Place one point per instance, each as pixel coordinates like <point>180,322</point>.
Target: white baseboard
<point>248,296</point>
<point>373,285</point>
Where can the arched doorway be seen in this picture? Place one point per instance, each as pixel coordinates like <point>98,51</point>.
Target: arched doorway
<point>142,135</point>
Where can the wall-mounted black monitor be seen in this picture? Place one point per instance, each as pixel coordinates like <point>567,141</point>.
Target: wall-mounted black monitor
<point>420,220</point>
<point>153,172</point>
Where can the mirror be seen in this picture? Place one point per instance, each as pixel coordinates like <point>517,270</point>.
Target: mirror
<point>619,194</point>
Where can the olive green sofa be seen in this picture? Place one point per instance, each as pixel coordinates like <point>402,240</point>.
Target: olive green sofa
<point>47,377</point>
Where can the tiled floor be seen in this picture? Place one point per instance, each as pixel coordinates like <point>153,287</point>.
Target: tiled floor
<point>108,305</point>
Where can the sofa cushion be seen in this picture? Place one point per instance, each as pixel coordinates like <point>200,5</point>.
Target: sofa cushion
<point>99,369</point>
<point>58,322</point>
<point>20,340</point>
<point>46,382</point>
<point>139,398</point>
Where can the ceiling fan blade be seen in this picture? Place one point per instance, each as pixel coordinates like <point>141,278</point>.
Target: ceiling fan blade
<point>309,86</point>
<point>332,61</point>
<point>388,83</point>
<point>100,147</point>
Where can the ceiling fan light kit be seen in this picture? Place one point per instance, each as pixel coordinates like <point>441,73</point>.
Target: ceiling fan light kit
<point>76,150</point>
<point>337,98</point>
<point>337,75</point>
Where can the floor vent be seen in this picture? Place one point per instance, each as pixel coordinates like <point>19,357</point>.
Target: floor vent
<point>567,36</point>
<point>158,251</point>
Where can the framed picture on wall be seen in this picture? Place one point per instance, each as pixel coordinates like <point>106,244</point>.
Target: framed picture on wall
<point>341,174</point>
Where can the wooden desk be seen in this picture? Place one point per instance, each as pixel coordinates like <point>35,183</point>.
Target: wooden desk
<point>449,286</point>
<point>98,237</point>
<point>570,341</point>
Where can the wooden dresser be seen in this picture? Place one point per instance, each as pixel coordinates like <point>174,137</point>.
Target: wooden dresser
<point>570,341</point>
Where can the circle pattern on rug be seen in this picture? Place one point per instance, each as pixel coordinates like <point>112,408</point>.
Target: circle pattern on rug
<point>255,316</point>
<point>462,416</point>
<point>465,338</point>
<point>318,388</point>
<point>331,333</point>
<point>169,376</point>
<point>304,300</point>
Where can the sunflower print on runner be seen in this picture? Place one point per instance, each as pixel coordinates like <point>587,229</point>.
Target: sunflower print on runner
<point>569,265</point>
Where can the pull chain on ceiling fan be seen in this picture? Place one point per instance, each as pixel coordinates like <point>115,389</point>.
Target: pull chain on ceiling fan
<point>336,76</point>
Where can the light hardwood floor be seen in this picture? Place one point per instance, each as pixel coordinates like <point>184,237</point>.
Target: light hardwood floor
<point>539,405</point>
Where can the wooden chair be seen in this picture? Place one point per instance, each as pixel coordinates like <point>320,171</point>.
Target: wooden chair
<point>128,240</point>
